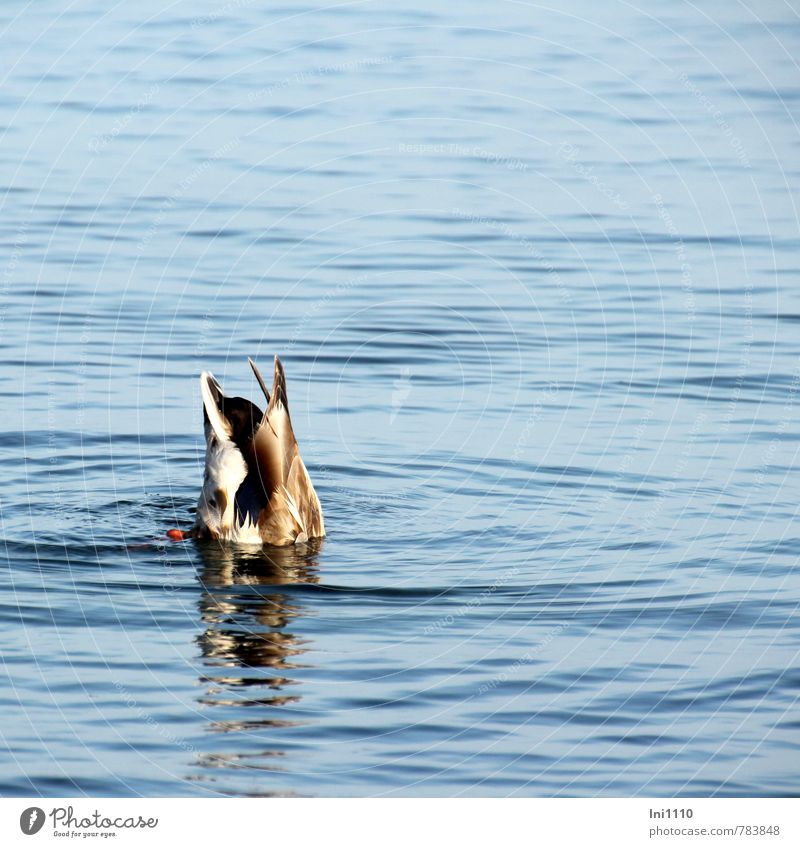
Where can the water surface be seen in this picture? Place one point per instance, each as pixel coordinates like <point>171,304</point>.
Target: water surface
<point>534,277</point>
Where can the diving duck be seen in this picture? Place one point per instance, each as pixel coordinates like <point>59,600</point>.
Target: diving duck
<point>256,489</point>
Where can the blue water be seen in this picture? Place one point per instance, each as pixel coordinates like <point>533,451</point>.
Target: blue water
<point>534,277</point>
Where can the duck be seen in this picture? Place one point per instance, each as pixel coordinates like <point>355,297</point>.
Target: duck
<point>256,489</point>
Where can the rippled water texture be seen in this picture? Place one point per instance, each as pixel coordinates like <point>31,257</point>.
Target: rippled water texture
<point>534,278</point>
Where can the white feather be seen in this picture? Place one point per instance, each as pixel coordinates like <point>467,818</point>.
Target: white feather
<point>225,470</point>
<point>221,427</point>
<point>246,533</point>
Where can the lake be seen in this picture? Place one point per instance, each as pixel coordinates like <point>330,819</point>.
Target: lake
<point>533,275</point>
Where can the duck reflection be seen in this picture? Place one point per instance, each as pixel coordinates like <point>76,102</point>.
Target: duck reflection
<point>249,646</point>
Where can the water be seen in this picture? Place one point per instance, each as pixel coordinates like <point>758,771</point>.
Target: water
<point>534,278</point>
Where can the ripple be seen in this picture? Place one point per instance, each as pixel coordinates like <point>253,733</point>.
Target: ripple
<point>545,383</point>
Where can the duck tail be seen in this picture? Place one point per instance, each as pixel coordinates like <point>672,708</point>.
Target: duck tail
<point>213,398</point>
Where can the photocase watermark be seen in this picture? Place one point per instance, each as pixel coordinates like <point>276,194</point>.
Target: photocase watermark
<point>216,14</point>
<point>463,150</point>
<point>187,182</point>
<point>529,246</point>
<point>569,153</point>
<point>539,403</point>
<point>719,119</point>
<point>401,392</point>
<point>525,659</point>
<point>626,461</point>
<point>58,512</point>
<point>145,716</point>
<point>683,260</point>
<point>676,474</point>
<point>786,415</point>
<point>472,604</point>
<point>83,366</point>
<point>322,70</point>
<point>100,142</point>
<point>355,499</point>
<point>299,330</point>
<point>204,334</point>
<point>20,240</point>
<point>744,360</point>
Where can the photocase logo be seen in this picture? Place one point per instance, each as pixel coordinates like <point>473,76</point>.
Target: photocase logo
<point>66,823</point>
<point>31,820</point>
<point>402,388</point>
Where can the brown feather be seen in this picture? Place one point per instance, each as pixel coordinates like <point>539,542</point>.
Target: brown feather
<point>293,513</point>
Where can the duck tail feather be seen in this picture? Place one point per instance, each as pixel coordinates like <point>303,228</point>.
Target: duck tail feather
<point>213,398</point>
